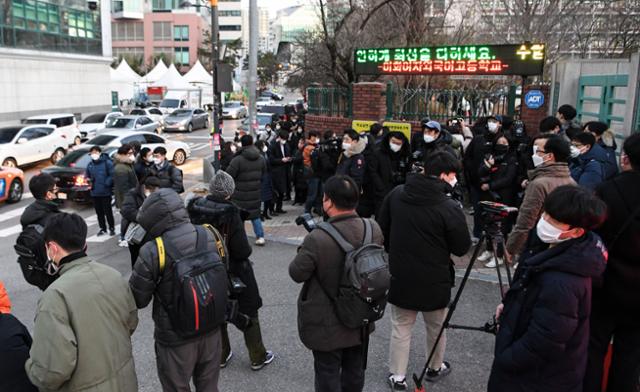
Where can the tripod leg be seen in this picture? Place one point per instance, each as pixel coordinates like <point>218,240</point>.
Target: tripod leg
<point>494,245</point>
<point>503,246</point>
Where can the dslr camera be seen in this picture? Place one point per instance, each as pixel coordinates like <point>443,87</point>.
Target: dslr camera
<point>306,220</point>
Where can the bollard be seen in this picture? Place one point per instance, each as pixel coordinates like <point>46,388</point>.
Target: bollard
<point>207,170</point>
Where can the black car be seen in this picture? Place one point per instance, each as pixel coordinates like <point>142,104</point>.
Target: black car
<point>69,173</point>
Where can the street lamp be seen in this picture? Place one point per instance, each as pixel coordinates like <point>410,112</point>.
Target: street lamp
<point>215,58</point>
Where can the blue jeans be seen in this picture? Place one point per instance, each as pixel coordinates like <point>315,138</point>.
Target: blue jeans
<point>314,195</point>
<point>257,227</point>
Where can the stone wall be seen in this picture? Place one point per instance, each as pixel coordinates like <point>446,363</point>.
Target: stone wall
<point>532,117</point>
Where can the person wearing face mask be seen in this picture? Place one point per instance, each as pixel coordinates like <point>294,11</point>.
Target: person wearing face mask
<point>266,183</point>
<point>124,179</point>
<point>100,172</point>
<point>143,163</point>
<point>170,175</point>
<point>390,166</point>
<point>229,150</point>
<point>433,139</point>
<point>422,227</point>
<point>280,162</point>
<point>550,157</point>
<point>131,205</point>
<point>352,162</point>
<point>589,161</point>
<point>88,313</point>
<point>543,320</point>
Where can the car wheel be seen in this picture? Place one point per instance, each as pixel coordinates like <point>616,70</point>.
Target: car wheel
<point>10,162</point>
<point>179,157</point>
<point>57,156</point>
<point>190,128</point>
<point>77,141</point>
<point>15,191</point>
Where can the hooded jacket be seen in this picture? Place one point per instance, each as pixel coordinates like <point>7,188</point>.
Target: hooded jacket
<point>100,172</point>
<point>169,175</point>
<point>590,168</point>
<point>162,214</point>
<point>422,227</point>
<point>544,328</point>
<point>247,168</point>
<point>501,178</point>
<point>38,213</point>
<point>132,202</point>
<point>124,178</point>
<point>442,143</point>
<point>82,334</point>
<point>542,181</point>
<point>389,168</point>
<point>474,156</point>
<point>352,163</point>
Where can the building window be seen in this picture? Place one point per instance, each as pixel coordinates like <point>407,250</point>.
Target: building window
<point>127,31</point>
<point>162,31</point>
<point>181,33</point>
<point>165,51</point>
<point>128,52</point>
<point>230,13</point>
<point>165,5</point>
<point>231,28</point>
<point>181,55</point>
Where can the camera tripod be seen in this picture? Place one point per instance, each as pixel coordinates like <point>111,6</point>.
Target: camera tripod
<point>492,235</point>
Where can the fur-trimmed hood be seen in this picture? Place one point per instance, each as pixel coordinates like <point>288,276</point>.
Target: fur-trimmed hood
<point>356,148</point>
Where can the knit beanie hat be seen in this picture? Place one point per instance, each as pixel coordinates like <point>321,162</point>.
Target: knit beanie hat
<point>222,185</point>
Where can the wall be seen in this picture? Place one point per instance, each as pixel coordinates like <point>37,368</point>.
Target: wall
<point>35,82</point>
<point>532,117</point>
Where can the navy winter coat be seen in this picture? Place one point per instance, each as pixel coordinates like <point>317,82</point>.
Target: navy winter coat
<point>589,169</point>
<point>544,327</point>
<point>100,173</point>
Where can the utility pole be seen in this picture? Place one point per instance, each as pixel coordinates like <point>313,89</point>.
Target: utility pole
<point>215,59</point>
<point>253,64</point>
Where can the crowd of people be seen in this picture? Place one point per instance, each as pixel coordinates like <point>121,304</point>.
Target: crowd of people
<point>573,244</point>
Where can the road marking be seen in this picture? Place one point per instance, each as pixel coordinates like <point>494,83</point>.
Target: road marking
<point>102,238</point>
<point>10,231</point>
<point>12,214</point>
<point>198,137</point>
<point>201,147</point>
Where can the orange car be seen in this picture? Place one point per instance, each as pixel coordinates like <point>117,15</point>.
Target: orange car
<point>11,184</point>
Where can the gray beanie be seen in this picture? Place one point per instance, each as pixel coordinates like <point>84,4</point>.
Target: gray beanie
<point>221,185</point>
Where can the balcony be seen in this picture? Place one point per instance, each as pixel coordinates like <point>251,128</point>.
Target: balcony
<point>127,9</point>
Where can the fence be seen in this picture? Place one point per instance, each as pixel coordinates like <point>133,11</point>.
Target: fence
<point>441,104</point>
<point>329,101</point>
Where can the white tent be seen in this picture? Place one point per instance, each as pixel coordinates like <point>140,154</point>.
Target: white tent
<point>125,70</point>
<point>124,84</point>
<point>156,73</point>
<point>172,80</point>
<point>198,75</point>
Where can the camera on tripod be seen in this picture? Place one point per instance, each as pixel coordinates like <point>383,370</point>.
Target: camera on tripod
<point>490,211</point>
<point>306,220</point>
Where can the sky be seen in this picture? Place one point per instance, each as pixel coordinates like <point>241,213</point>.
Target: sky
<point>275,5</point>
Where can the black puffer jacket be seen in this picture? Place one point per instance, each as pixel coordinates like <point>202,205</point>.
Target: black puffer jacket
<point>162,214</point>
<point>169,175</point>
<point>442,143</point>
<point>501,178</point>
<point>132,202</point>
<point>389,169</point>
<point>422,227</point>
<point>225,216</point>
<point>544,327</point>
<point>479,147</point>
<point>38,212</point>
<point>15,343</point>
<point>247,168</point>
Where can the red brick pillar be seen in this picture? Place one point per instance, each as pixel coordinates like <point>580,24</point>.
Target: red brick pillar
<point>532,117</point>
<point>369,101</point>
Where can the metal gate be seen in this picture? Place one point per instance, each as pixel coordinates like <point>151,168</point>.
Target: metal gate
<point>600,99</point>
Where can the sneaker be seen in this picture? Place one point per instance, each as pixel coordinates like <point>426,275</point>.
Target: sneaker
<point>492,262</point>
<point>435,375</point>
<point>475,240</point>
<point>112,232</point>
<point>123,244</point>
<point>267,360</point>
<point>226,361</point>
<point>101,232</point>
<point>260,242</point>
<point>397,385</point>
<point>485,256</point>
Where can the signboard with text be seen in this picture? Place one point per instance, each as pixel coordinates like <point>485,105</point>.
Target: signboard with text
<point>364,126</point>
<point>521,59</point>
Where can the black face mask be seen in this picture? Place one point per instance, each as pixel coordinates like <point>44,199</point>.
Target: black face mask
<point>500,149</point>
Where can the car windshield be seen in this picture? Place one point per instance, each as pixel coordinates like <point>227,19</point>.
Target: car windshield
<point>78,158</point>
<point>122,123</point>
<point>279,110</point>
<point>101,140</point>
<point>170,103</point>
<point>180,113</point>
<point>94,119</point>
<point>138,112</point>
<point>35,121</point>
<point>232,105</point>
<point>7,134</point>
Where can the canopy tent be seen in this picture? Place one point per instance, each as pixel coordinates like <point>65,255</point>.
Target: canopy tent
<point>172,80</point>
<point>125,70</point>
<point>156,73</point>
<point>124,84</point>
<point>198,75</point>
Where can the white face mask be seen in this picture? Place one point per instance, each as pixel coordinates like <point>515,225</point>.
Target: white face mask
<point>346,146</point>
<point>429,138</point>
<point>493,127</point>
<point>453,182</point>
<point>233,148</point>
<point>147,193</point>
<point>283,142</point>
<point>278,126</point>
<point>51,266</point>
<point>394,147</point>
<point>548,233</point>
<point>95,157</point>
<point>575,152</point>
<point>149,158</point>
<point>264,149</point>
<point>132,158</point>
<point>157,161</point>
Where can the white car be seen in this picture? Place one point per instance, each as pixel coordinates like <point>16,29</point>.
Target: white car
<point>24,144</point>
<point>153,113</point>
<point>178,152</point>
<point>90,125</point>
<point>65,122</point>
<point>264,101</point>
<point>234,110</point>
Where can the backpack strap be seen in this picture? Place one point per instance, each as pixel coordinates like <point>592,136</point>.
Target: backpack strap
<point>167,247</point>
<point>220,243</point>
<point>161,254</point>
<point>337,237</point>
<point>368,232</point>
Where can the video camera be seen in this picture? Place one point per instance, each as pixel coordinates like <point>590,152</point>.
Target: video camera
<point>330,145</point>
<point>306,220</point>
<point>491,211</point>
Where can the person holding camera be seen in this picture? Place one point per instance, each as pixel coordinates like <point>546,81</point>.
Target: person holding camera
<point>218,211</point>
<point>422,227</point>
<point>543,321</point>
<point>337,349</point>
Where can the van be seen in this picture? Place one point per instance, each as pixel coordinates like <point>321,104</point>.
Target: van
<point>65,124</point>
<point>180,99</point>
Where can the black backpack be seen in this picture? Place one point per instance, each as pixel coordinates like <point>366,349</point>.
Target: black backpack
<point>365,281</point>
<point>199,298</point>
<point>32,256</point>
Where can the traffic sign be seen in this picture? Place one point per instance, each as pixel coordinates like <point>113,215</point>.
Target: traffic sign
<point>534,99</point>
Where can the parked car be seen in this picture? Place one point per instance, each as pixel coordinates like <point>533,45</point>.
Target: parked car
<point>11,184</point>
<point>178,152</point>
<point>262,118</point>
<point>263,101</point>
<point>94,122</point>
<point>272,95</point>
<point>131,123</point>
<point>65,122</point>
<point>273,109</point>
<point>153,113</point>
<point>69,173</point>
<point>24,144</point>
<point>234,109</point>
<point>186,120</point>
